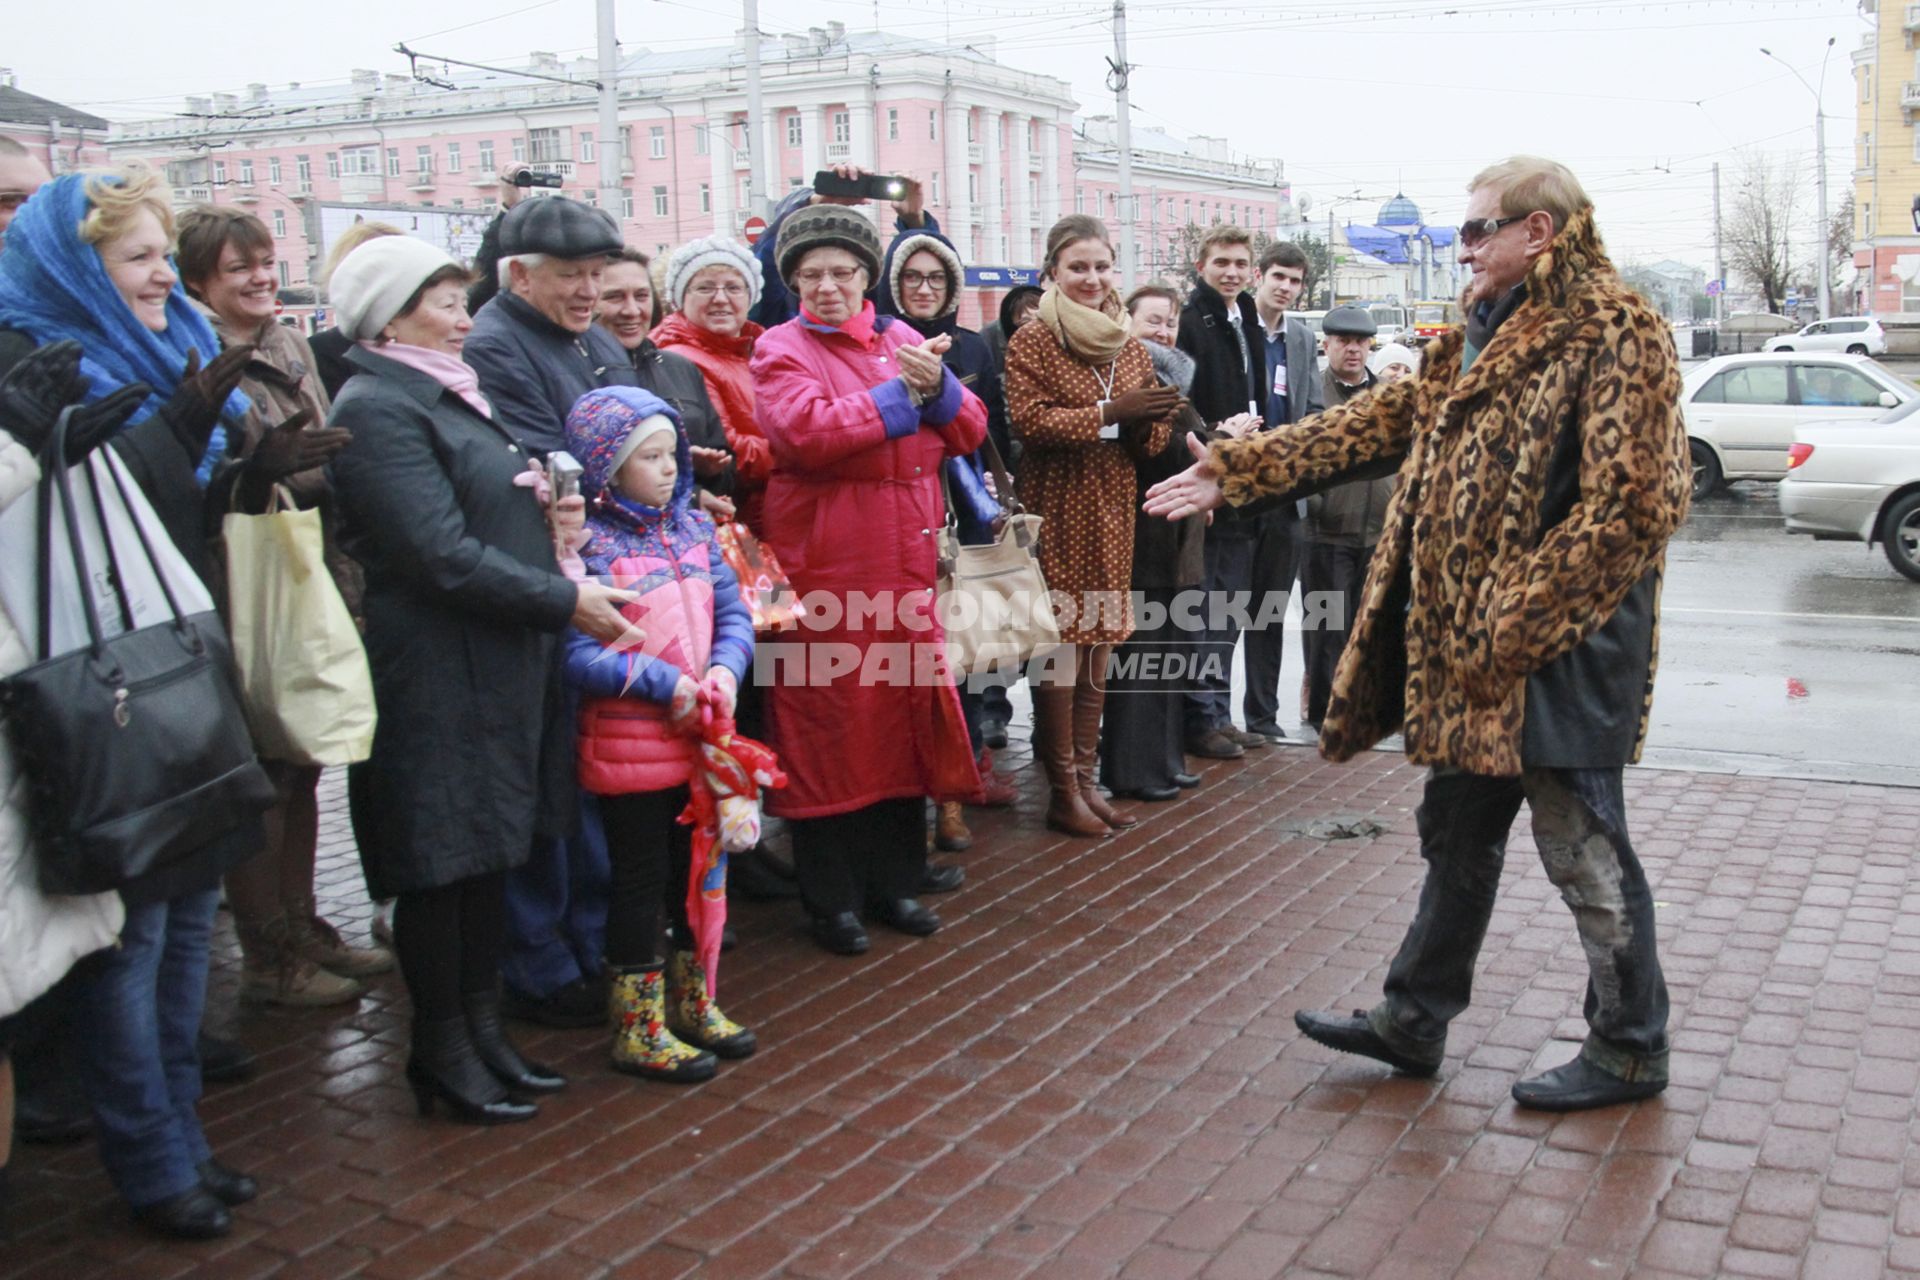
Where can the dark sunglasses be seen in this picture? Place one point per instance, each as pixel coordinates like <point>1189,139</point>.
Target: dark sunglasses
<point>1480,230</point>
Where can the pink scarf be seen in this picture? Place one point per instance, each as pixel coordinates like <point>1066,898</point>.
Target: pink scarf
<point>858,327</point>
<point>450,371</point>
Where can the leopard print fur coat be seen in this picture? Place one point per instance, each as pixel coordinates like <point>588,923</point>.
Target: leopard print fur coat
<point>1467,594</point>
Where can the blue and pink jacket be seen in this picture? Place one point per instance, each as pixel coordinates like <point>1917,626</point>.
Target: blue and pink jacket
<point>689,606</point>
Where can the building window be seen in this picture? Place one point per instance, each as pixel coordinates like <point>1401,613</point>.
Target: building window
<point>1033,193</point>
<point>220,173</point>
<point>1079,199</point>
<point>1186,215</point>
<point>592,197</point>
<point>626,202</point>
<point>706,197</point>
<point>1866,219</point>
<point>746,192</point>
<point>626,143</point>
<point>423,159</point>
<point>657,141</point>
<point>246,173</point>
<point>793,183</point>
<point>970,128</point>
<point>842,127</point>
<point>893,124</point>
<point>486,156</point>
<point>701,143</point>
<point>973,188</point>
<point>280,224</point>
<point>585,147</point>
<point>545,146</point>
<point>453,157</point>
<point>358,162</point>
<point>793,130</point>
<point>659,202</point>
<point>459,203</point>
<point>286,273</point>
<point>393,162</point>
<point>936,186</point>
<point>933,126</point>
<point>519,150</point>
<point>273,168</point>
<point>303,171</point>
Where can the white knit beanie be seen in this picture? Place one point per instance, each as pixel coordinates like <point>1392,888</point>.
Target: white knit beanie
<point>373,282</point>
<point>712,251</point>
<point>1393,353</point>
<point>651,425</point>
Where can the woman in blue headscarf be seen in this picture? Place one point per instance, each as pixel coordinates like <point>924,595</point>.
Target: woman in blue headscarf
<point>87,260</point>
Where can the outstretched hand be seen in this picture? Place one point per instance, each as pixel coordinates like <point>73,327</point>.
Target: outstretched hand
<point>33,394</point>
<point>1193,491</point>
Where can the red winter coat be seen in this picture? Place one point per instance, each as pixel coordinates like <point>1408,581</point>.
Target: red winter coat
<point>853,506</point>
<point>723,363</point>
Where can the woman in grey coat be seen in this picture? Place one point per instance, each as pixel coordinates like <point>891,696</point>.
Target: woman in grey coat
<point>464,600</point>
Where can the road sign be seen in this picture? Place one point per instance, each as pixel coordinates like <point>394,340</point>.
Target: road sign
<point>753,228</point>
<point>1715,288</point>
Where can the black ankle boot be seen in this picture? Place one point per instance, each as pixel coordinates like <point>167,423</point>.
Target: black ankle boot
<point>502,1058</point>
<point>446,1065</point>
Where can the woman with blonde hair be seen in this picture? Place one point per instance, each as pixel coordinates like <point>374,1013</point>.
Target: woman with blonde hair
<point>1081,392</point>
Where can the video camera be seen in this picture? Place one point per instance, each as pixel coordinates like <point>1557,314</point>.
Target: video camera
<point>528,178</point>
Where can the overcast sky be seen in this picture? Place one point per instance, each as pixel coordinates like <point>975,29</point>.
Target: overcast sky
<point>1353,96</point>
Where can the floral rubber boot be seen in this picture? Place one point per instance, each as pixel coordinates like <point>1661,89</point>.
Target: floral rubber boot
<point>695,1018</point>
<point>642,1045</point>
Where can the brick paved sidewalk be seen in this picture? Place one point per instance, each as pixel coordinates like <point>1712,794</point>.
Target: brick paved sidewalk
<point>1093,1071</point>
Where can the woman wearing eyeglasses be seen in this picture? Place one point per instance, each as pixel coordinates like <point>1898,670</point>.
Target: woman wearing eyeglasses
<point>712,284</point>
<point>860,414</point>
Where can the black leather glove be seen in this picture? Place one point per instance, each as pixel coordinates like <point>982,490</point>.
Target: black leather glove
<point>194,409</point>
<point>46,382</point>
<point>291,448</point>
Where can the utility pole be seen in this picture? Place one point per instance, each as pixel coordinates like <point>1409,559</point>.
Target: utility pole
<point>756,125</point>
<point>1331,292</point>
<point>1719,263</point>
<point>1117,81</point>
<point>1820,164</point>
<point>612,155</point>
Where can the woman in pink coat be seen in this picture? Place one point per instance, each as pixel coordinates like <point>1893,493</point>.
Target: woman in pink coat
<point>860,415</point>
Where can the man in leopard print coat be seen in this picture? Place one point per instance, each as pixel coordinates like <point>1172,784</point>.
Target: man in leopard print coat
<point>1509,624</point>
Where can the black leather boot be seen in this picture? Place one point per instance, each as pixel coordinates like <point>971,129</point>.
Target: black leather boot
<point>446,1065</point>
<point>502,1058</point>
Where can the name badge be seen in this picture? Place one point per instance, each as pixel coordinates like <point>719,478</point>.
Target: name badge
<point>1280,379</point>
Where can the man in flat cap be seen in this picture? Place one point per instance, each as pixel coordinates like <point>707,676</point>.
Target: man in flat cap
<point>537,350</point>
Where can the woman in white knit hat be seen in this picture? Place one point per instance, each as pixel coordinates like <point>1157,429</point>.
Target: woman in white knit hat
<point>464,602</point>
<point>712,283</point>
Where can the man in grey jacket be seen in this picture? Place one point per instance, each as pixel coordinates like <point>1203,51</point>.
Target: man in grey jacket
<point>1293,392</point>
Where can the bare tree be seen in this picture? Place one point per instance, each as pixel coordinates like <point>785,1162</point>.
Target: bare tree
<point>1840,245</point>
<point>1757,230</point>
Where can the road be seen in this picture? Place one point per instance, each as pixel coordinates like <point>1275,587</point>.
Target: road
<point>1780,655</point>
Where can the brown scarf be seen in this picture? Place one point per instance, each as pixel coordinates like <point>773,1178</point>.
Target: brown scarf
<point>1089,336</point>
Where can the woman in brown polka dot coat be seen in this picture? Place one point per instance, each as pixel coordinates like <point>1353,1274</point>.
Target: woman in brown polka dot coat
<point>1082,394</point>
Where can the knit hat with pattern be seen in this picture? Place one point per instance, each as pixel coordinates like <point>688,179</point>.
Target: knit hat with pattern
<point>695,256</point>
<point>819,225</point>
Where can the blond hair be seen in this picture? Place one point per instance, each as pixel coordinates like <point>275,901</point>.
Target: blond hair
<point>350,239</point>
<point>1225,233</point>
<point>1071,230</point>
<point>1527,183</point>
<point>115,198</point>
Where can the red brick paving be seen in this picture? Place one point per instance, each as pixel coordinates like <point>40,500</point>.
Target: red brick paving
<point>1093,1071</point>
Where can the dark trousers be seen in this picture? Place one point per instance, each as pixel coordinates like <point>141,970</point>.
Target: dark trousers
<point>557,909</point>
<point>1331,579</point>
<point>1143,725</point>
<point>1579,823</point>
<point>1229,569</point>
<point>1276,556</point>
<point>849,859</point>
<point>652,852</point>
<point>449,940</point>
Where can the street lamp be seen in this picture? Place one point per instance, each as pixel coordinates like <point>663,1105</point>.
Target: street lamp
<point>1819,160</point>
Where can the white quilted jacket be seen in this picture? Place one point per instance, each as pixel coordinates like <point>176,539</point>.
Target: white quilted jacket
<point>40,936</point>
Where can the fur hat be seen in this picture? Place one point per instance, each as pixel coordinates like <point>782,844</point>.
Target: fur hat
<point>949,262</point>
<point>818,225</point>
<point>374,281</point>
<point>559,228</point>
<point>696,256</point>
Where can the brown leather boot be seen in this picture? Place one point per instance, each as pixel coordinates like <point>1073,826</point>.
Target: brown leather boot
<point>1053,745</point>
<point>950,834</point>
<point>1089,699</point>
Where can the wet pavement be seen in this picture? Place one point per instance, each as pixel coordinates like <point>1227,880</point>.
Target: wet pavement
<point>1092,1071</point>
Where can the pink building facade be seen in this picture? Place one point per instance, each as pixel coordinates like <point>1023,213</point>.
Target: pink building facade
<point>995,148</point>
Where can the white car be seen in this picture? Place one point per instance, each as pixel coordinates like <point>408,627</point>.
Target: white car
<point>1742,411</point>
<point>1859,482</point>
<point>1857,335</point>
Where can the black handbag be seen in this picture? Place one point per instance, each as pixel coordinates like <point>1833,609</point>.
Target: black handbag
<point>134,747</point>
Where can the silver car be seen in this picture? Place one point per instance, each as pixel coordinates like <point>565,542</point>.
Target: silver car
<point>1859,482</point>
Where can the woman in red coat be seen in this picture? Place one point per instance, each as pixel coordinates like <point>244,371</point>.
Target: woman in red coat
<point>713,283</point>
<point>860,415</point>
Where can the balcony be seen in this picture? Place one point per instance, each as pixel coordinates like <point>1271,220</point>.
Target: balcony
<point>1912,21</point>
<point>422,180</point>
<point>1034,164</point>
<point>839,152</point>
<point>1910,95</point>
<point>742,161</point>
<point>246,193</point>
<point>975,153</point>
<point>485,178</point>
<point>554,168</point>
<point>356,187</point>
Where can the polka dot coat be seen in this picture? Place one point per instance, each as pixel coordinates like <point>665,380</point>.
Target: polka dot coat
<point>1080,485</point>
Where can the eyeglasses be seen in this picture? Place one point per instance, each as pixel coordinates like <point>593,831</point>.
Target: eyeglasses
<point>708,289</point>
<point>1480,230</point>
<point>814,275</point>
<point>911,280</point>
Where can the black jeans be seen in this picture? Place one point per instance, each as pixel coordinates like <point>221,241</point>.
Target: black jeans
<point>873,854</point>
<point>651,853</point>
<point>1579,823</point>
<point>1331,579</point>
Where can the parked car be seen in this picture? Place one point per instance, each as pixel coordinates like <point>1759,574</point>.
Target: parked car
<point>1859,335</point>
<point>1859,482</point>
<point>1742,410</point>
